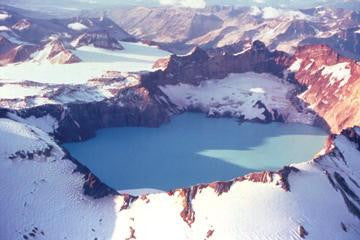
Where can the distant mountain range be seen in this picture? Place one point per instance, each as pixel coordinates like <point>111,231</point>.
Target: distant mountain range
<point>179,29</point>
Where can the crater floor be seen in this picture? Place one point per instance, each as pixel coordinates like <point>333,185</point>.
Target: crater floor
<point>194,149</point>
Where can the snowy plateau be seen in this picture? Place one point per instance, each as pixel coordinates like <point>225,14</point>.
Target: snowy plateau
<point>64,79</point>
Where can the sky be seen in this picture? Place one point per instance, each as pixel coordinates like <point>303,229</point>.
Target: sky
<point>183,3</point>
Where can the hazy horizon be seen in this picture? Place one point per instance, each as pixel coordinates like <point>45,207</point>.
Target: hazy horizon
<point>91,4</point>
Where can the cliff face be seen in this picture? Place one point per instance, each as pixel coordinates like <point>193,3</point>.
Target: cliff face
<point>78,121</point>
<point>100,39</point>
<point>332,83</point>
<point>199,66</point>
<point>13,53</point>
<point>251,85</point>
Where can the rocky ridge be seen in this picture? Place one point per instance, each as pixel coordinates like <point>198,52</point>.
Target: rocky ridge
<point>100,39</point>
<point>332,85</point>
<point>280,29</point>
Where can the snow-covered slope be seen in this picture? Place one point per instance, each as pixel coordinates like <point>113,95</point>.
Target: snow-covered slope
<point>249,96</point>
<point>31,94</point>
<point>47,201</point>
<point>88,62</point>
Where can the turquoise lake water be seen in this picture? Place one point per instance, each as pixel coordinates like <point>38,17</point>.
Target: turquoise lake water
<point>194,149</point>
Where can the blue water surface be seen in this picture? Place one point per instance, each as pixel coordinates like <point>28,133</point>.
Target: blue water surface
<point>194,149</point>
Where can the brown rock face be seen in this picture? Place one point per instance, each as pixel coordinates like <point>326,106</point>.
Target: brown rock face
<point>12,53</point>
<point>5,45</point>
<point>57,53</point>
<point>333,85</point>
<point>199,66</point>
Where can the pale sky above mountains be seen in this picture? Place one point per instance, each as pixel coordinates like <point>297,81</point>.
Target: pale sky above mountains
<point>184,3</point>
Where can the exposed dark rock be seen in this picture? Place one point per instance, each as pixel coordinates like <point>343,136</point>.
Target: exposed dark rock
<point>343,227</point>
<point>100,39</point>
<point>354,209</point>
<point>128,200</point>
<point>58,53</point>
<point>302,232</point>
<point>268,177</point>
<point>132,234</point>
<point>198,66</point>
<point>345,187</point>
<point>221,187</point>
<point>209,234</point>
<point>92,186</point>
<point>12,53</point>
<point>188,213</point>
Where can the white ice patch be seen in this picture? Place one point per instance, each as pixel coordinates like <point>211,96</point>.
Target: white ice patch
<point>307,67</point>
<point>271,13</point>
<point>340,72</point>
<point>236,94</point>
<point>257,90</point>
<point>77,26</point>
<point>95,63</point>
<point>296,65</point>
<point>18,91</point>
<point>140,191</point>
<point>4,15</point>
<point>4,29</point>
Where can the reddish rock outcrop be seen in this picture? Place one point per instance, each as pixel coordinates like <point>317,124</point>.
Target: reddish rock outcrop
<point>55,52</point>
<point>333,85</point>
<point>302,232</point>
<point>128,200</point>
<point>132,234</point>
<point>12,53</point>
<point>188,213</point>
<point>280,178</point>
<point>209,234</point>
